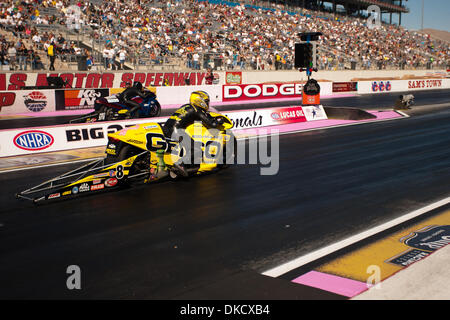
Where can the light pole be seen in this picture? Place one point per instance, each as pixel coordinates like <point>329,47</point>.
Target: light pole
<point>423,10</point>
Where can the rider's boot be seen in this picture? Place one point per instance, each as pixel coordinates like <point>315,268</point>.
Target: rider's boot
<point>161,169</point>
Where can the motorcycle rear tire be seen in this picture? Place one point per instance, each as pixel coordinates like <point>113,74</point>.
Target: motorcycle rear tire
<point>124,153</point>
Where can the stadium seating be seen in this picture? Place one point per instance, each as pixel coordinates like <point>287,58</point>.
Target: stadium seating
<point>225,35</point>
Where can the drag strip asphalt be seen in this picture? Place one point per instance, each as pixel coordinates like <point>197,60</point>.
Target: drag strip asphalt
<point>211,237</point>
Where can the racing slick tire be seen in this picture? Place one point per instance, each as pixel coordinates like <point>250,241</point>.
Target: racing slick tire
<point>123,154</point>
<point>156,109</point>
<point>141,163</point>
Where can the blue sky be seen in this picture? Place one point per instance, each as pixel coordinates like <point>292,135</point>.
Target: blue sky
<point>436,15</point>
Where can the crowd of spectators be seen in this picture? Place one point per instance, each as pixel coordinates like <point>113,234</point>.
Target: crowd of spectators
<point>18,56</point>
<point>202,34</point>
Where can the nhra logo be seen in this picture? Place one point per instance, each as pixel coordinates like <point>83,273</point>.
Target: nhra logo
<point>33,140</point>
<point>35,101</point>
<point>381,86</point>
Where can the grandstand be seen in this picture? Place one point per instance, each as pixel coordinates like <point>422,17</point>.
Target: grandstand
<point>197,34</point>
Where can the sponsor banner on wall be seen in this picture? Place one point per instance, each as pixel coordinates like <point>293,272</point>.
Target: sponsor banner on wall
<point>62,137</point>
<point>428,84</point>
<point>107,80</point>
<point>233,77</point>
<point>68,137</point>
<point>381,86</point>
<point>27,101</point>
<point>246,92</point>
<point>78,99</point>
<point>345,86</point>
<point>275,116</point>
<point>266,91</point>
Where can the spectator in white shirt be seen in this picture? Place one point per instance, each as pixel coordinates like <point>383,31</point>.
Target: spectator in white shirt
<point>122,57</point>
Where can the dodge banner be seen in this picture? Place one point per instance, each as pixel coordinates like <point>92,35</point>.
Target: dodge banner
<point>245,92</point>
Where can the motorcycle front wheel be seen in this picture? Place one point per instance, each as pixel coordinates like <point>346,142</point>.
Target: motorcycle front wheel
<point>155,110</point>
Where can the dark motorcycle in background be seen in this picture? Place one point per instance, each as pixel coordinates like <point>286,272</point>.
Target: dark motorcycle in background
<point>111,108</point>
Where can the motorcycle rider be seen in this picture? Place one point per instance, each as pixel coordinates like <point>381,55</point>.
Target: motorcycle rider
<point>130,92</point>
<point>187,114</point>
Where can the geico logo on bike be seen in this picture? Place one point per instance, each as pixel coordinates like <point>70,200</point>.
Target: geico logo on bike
<point>241,92</point>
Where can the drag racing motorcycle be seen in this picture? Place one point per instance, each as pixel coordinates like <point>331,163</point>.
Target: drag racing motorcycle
<point>111,108</point>
<point>141,154</point>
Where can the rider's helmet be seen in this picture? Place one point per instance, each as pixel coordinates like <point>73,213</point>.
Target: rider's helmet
<point>199,99</point>
<point>137,85</point>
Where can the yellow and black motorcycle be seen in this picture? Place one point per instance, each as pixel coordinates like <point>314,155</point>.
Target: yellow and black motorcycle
<point>141,153</point>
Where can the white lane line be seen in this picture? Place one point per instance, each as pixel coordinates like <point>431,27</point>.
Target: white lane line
<point>303,260</point>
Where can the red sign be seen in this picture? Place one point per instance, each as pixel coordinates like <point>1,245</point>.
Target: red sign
<point>288,115</point>
<point>261,91</point>
<point>345,86</point>
<point>7,99</point>
<point>311,99</point>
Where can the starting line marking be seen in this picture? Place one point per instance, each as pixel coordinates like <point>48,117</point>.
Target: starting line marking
<point>320,253</point>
